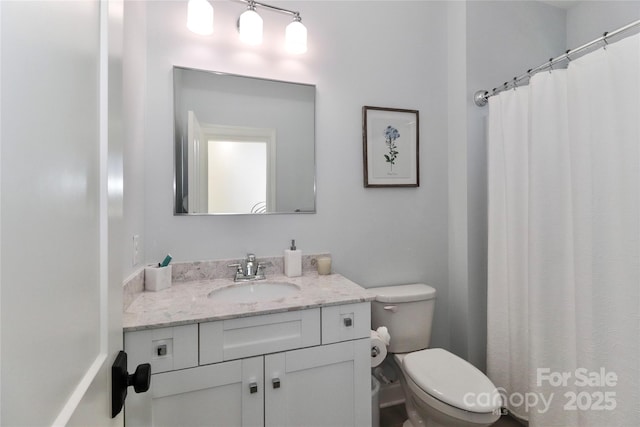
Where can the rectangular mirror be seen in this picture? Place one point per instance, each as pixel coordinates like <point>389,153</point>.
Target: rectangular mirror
<point>243,145</point>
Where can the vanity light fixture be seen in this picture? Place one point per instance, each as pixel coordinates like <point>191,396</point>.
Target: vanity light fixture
<point>200,20</point>
<point>200,17</point>
<point>250,25</point>
<point>296,36</point>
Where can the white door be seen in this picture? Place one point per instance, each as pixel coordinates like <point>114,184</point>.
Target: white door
<point>60,211</point>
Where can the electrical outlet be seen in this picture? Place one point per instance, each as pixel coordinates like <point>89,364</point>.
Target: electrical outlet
<point>136,250</point>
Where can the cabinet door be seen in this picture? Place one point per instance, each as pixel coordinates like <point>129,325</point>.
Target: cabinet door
<point>320,386</point>
<point>212,395</point>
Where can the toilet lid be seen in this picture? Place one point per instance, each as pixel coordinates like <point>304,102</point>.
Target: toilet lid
<point>452,380</point>
<point>404,293</point>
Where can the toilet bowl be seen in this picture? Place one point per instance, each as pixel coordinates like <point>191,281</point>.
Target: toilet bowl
<point>440,388</point>
<point>446,390</point>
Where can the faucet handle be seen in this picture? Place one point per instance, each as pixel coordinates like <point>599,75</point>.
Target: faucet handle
<point>265,264</point>
<point>260,274</point>
<point>251,257</point>
<point>238,267</point>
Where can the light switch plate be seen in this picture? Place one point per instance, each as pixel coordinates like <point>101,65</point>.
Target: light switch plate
<point>136,250</point>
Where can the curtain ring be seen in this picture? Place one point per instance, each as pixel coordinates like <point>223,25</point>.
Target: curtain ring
<point>550,65</point>
<point>515,83</point>
<point>604,39</point>
<point>566,54</point>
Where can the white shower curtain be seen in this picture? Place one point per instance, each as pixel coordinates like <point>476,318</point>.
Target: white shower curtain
<point>564,242</point>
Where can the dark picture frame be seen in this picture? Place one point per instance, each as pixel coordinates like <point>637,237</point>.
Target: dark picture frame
<point>391,147</point>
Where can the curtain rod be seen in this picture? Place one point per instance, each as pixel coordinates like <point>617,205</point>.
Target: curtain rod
<point>481,97</point>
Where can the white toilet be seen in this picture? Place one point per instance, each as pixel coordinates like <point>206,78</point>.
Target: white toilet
<point>440,389</point>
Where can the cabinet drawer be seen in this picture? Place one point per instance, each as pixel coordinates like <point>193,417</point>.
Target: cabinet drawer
<point>255,335</point>
<point>166,349</point>
<point>346,322</point>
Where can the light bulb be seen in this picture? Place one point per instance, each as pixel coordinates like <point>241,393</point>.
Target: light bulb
<point>200,17</point>
<point>250,27</point>
<point>296,37</point>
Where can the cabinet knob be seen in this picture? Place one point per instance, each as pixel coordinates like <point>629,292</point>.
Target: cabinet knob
<point>276,382</point>
<point>348,322</point>
<point>161,350</point>
<point>253,387</point>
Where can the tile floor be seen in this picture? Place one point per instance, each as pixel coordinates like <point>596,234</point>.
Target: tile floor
<point>394,416</point>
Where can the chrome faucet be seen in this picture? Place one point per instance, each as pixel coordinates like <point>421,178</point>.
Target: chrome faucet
<point>252,270</point>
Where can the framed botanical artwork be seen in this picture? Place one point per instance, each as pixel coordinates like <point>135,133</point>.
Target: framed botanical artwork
<point>390,147</point>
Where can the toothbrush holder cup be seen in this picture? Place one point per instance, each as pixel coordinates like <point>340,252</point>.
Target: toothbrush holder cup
<point>157,278</point>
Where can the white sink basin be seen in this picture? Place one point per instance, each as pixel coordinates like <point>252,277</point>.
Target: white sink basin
<point>254,292</point>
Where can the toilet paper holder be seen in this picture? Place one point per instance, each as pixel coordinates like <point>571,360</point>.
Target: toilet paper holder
<point>379,341</point>
<point>375,351</point>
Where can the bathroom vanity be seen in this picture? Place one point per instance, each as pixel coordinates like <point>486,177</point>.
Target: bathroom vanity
<point>300,359</point>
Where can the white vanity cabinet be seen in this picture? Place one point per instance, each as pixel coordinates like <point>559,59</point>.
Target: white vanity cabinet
<point>298,368</point>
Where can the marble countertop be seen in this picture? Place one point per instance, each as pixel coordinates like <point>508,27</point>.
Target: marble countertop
<point>185,303</point>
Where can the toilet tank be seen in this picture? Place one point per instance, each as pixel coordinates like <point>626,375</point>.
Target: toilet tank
<point>407,312</point>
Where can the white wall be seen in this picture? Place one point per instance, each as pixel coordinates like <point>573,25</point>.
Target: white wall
<point>431,56</point>
<point>458,316</point>
<point>392,57</point>
<point>134,93</point>
<point>588,20</point>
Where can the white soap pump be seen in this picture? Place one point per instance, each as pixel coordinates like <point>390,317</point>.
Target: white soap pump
<point>292,261</point>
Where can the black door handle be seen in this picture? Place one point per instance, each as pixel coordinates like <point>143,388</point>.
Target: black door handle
<point>121,380</point>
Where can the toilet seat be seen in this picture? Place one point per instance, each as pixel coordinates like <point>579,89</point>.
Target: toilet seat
<point>457,417</point>
<point>451,380</point>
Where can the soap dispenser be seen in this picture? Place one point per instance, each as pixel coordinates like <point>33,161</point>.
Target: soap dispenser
<point>292,261</point>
